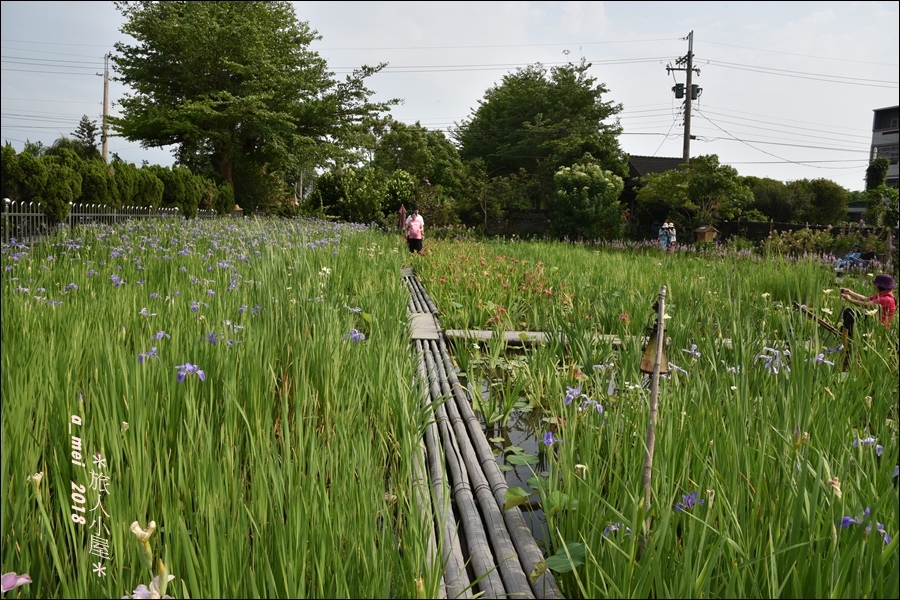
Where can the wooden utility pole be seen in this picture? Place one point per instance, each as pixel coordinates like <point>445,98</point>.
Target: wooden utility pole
<point>104,136</point>
<point>688,94</point>
<point>688,91</point>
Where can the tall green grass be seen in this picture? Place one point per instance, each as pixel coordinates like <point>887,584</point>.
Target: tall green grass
<point>289,470</point>
<point>747,463</point>
<point>286,473</point>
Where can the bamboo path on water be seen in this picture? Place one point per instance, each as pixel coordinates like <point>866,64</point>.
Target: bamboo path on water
<point>486,551</point>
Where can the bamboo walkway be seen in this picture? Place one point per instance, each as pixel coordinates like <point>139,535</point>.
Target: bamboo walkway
<point>486,551</point>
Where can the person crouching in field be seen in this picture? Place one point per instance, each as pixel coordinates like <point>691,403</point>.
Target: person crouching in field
<point>883,300</point>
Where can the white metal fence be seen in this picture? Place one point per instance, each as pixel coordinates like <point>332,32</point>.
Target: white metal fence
<point>26,223</point>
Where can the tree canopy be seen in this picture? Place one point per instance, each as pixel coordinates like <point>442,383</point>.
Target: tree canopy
<point>236,89</point>
<point>701,191</point>
<point>537,121</point>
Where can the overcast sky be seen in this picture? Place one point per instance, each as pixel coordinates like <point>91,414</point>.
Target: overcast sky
<point>788,89</point>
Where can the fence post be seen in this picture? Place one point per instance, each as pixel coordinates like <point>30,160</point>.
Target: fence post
<point>6,202</point>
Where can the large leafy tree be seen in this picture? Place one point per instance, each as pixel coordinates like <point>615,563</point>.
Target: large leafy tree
<point>433,163</point>
<point>537,121</point>
<point>586,204</point>
<point>701,192</point>
<point>819,201</point>
<point>236,89</point>
<point>772,198</point>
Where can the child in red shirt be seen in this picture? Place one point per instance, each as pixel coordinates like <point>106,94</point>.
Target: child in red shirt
<point>883,300</point>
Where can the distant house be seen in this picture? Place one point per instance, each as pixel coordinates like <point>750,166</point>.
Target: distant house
<point>639,166</point>
<point>886,141</point>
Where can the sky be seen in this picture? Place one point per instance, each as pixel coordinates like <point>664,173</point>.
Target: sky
<point>787,89</point>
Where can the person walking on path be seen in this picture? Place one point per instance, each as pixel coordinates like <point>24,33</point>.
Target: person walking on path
<point>415,231</point>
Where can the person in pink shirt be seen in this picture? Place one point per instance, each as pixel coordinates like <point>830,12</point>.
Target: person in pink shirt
<point>415,231</point>
<point>883,300</point>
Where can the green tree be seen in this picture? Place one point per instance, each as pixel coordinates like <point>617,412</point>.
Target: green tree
<point>701,191</point>
<point>62,185</point>
<point>819,201</point>
<point>86,137</point>
<point>586,204</point>
<point>876,173</point>
<point>537,121</point>
<point>236,89</point>
<point>772,198</point>
<point>422,153</point>
<point>12,177</point>
<point>97,184</point>
<point>34,177</point>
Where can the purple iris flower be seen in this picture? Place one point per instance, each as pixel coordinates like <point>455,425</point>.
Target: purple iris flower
<point>590,402</point>
<point>689,501</point>
<point>142,592</point>
<point>154,296</point>
<point>147,355</point>
<point>162,334</point>
<point>10,581</point>
<point>820,358</point>
<point>188,369</point>
<point>212,338</point>
<point>354,335</point>
<point>117,280</point>
<point>848,521</point>
<point>896,472</point>
<point>572,393</point>
<point>692,351</point>
<point>613,527</point>
<point>866,441</point>
<point>550,439</point>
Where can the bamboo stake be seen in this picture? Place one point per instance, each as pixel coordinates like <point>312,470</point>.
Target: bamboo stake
<point>654,410</point>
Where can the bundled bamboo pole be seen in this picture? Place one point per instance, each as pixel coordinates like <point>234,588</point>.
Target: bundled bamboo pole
<point>456,579</point>
<point>481,559</point>
<point>511,571</point>
<point>530,555</point>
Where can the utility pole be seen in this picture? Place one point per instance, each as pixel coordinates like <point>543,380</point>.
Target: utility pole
<point>104,136</point>
<point>688,91</point>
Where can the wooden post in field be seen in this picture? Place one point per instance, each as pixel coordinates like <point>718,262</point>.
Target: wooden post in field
<point>654,408</point>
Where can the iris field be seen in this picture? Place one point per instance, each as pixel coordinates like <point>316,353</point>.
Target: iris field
<point>229,409</point>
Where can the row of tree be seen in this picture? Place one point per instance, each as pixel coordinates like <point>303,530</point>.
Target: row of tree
<point>255,117</point>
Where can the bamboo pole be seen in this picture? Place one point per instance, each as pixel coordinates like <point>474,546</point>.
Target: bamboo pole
<point>654,410</point>
<point>456,579</point>
<point>480,558</point>
<point>530,555</point>
<point>511,571</point>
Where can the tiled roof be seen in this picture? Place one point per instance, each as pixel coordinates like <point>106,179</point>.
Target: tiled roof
<point>642,165</point>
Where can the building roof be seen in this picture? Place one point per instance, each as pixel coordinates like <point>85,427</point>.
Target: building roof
<point>642,165</point>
